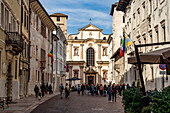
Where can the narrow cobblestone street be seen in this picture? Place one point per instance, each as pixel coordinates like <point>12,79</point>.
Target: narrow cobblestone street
<point>80,104</point>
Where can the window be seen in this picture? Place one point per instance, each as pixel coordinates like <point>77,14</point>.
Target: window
<point>36,52</point>
<point>37,23</point>
<point>150,4</point>
<point>48,35</point>
<point>27,22</point>
<point>58,18</point>
<point>104,38</point>
<point>76,38</point>
<point>24,19</point>
<point>36,73</point>
<point>123,19</point>
<point>105,74</point>
<point>134,21</point>
<point>2,14</point>
<point>0,63</point>
<point>90,55</point>
<point>151,39</point>
<point>43,29</point>
<point>152,74</point>
<point>157,34</point>
<point>16,69</point>
<point>163,31</point>
<point>138,16</point>
<point>6,20</point>
<point>143,14</point>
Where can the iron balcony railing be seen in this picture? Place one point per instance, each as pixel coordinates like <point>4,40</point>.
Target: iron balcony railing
<point>14,38</point>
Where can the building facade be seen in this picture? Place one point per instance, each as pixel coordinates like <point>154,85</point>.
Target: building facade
<point>41,38</point>
<point>87,55</point>
<point>118,24</point>
<point>146,22</point>
<point>60,21</point>
<point>11,45</point>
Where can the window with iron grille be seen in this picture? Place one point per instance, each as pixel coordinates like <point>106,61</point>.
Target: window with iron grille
<point>90,57</point>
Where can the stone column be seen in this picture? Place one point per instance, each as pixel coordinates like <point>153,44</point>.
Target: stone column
<point>70,72</point>
<point>81,73</point>
<point>81,51</point>
<point>70,51</point>
<point>99,51</point>
<point>99,74</point>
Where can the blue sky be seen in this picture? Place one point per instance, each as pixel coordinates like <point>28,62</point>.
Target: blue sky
<point>80,11</point>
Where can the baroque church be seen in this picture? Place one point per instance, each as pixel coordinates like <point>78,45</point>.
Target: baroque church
<point>87,56</point>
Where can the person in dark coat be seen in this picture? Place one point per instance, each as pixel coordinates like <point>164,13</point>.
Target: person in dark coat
<point>114,91</point>
<point>109,89</point>
<point>67,91</point>
<point>78,89</point>
<point>36,90</point>
<point>82,89</point>
<point>61,90</point>
<point>42,89</point>
<point>50,89</point>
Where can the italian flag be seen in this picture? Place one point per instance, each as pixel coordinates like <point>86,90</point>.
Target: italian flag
<point>121,47</point>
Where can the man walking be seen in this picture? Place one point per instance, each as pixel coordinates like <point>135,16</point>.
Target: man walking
<point>82,89</point>
<point>61,90</point>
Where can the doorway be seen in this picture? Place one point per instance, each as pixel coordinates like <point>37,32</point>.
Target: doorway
<point>91,80</point>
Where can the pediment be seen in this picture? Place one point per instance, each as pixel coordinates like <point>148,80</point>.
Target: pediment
<point>90,27</point>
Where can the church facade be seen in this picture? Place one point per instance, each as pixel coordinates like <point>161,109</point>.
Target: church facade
<point>87,56</point>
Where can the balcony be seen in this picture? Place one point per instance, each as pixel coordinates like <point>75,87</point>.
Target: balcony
<point>14,42</point>
<point>43,65</point>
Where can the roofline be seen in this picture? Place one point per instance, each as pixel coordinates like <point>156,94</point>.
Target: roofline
<point>43,10</point>
<point>59,16</point>
<point>112,9</point>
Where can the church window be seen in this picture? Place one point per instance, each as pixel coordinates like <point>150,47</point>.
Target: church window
<point>76,38</point>
<point>104,38</point>
<point>90,57</point>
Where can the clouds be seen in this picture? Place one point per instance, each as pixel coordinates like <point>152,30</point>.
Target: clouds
<point>80,11</point>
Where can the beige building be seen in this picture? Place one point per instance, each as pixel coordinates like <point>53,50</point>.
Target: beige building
<point>117,63</point>
<point>146,21</point>
<point>60,20</point>
<point>59,71</point>
<point>87,55</point>
<point>11,45</point>
<point>41,38</point>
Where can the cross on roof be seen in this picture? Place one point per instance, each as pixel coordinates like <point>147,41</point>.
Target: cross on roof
<point>90,20</point>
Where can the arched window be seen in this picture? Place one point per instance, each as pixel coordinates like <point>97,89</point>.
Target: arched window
<point>90,57</point>
<point>76,38</point>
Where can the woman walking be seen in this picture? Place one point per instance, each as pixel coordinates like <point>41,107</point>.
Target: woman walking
<point>67,91</point>
<point>114,91</point>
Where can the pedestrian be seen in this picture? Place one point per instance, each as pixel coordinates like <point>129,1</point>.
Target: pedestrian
<point>82,89</point>
<point>42,89</point>
<point>120,90</point>
<point>78,89</point>
<point>92,89</point>
<point>98,89</point>
<point>36,90</point>
<point>67,91</point>
<point>88,89</point>
<point>85,89</point>
<point>46,88</point>
<point>127,86</point>
<point>104,92</point>
<point>114,91</point>
<point>101,89</point>
<point>110,92</point>
<point>61,87</point>
<point>50,89</point>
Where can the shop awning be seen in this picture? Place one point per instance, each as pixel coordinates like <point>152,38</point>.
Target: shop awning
<point>161,56</point>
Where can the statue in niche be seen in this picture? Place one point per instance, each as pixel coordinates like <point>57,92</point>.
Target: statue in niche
<point>76,51</point>
<point>104,51</point>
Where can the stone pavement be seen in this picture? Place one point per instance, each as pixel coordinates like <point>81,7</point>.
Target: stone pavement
<point>80,104</point>
<point>25,105</point>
